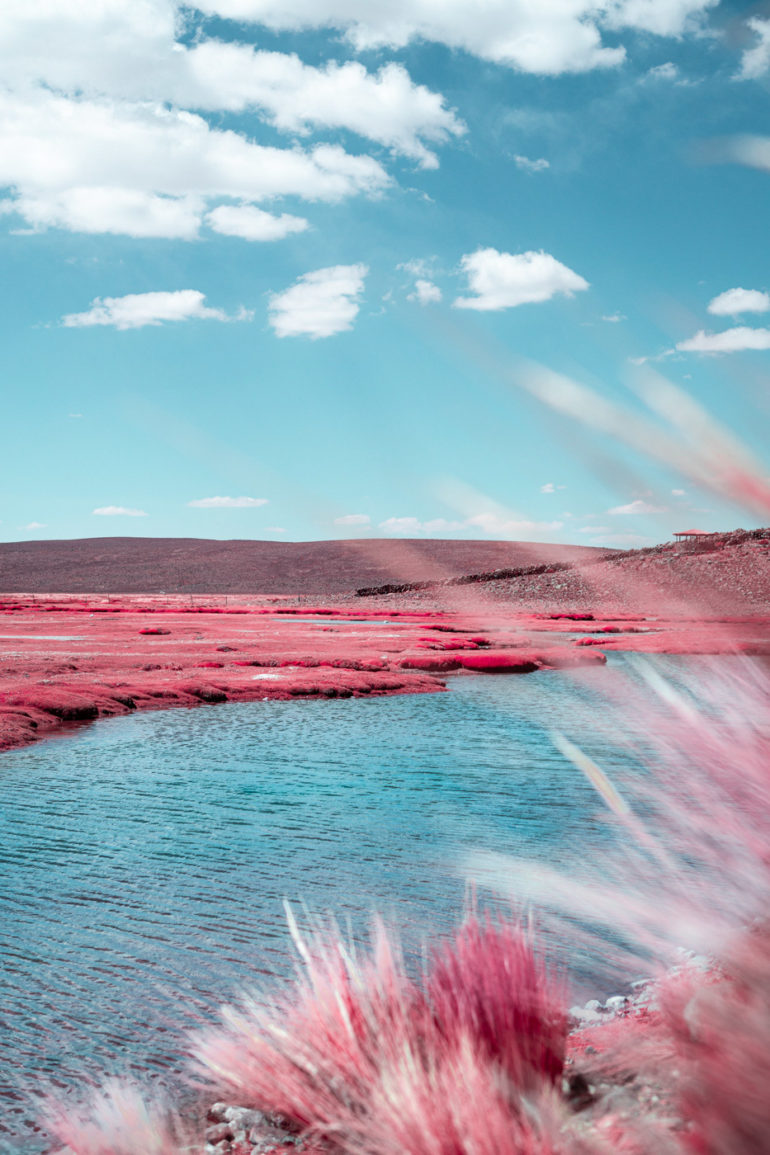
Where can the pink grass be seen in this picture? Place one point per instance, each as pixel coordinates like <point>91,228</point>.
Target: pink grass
<point>329,1056</point>
<point>117,1121</point>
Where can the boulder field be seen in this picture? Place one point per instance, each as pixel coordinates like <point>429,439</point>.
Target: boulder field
<point>66,660</point>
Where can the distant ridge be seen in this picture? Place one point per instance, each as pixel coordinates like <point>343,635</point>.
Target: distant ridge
<point>205,566</point>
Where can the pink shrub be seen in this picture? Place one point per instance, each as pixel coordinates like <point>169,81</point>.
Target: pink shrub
<point>455,1103</point>
<point>488,986</point>
<point>719,1024</point>
<point>315,1055</point>
<point>118,1121</point>
<point>328,1056</point>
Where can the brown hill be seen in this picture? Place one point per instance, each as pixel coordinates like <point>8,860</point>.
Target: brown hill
<point>198,565</point>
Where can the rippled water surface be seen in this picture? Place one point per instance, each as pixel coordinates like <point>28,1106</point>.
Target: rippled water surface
<point>145,858</point>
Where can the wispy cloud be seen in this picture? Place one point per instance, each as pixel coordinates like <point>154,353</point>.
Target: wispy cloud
<point>227,502</point>
<point>32,525</point>
<point>353,519</point>
<point>636,507</point>
<point>117,511</point>
<point>491,523</point>
<point>138,309</point>
<point>736,340</point>
<point>526,164</point>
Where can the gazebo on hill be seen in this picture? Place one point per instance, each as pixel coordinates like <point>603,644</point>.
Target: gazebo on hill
<point>693,537</point>
<point>692,534</point>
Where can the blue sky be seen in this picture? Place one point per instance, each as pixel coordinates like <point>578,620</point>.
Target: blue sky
<point>298,269</point>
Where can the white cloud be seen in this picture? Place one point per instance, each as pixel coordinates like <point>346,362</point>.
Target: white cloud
<point>679,492</point>
<point>661,17</point>
<point>138,309</point>
<point>386,107</point>
<point>319,304</point>
<point>614,318</point>
<point>117,511</point>
<point>751,150</point>
<point>32,525</point>
<point>413,527</point>
<point>147,171</point>
<point>667,71</point>
<point>528,165</point>
<point>425,292</point>
<point>228,502</point>
<point>127,50</point>
<point>353,519</point>
<point>549,487</point>
<point>547,36</point>
<point>504,280</point>
<point>636,507</point>
<point>594,529</point>
<point>729,341</point>
<point>499,524</point>
<point>418,266</point>
<point>756,60</point>
<point>275,529</point>
<point>124,211</point>
<point>253,224</point>
<point>734,301</point>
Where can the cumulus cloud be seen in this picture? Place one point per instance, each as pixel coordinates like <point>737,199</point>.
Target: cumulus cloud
<point>123,211</point>
<point>425,292</point>
<point>636,507</point>
<point>353,519</point>
<point>756,60</point>
<point>319,304</point>
<point>138,309</point>
<point>548,37</point>
<point>146,170</point>
<point>504,280</point>
<point>386,107</point>
<point>735,301</point>
<point>32,525</point>
<point>614,318</point>
<point>227,502</point>
<point>526,164</point>
<point>253,224</point>
<point>117,511</point>
<point>128,51</point>
<point>729,341</point>
<point>549,487</point>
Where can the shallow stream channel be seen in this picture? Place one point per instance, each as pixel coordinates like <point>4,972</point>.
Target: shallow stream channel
<point>145,859</point>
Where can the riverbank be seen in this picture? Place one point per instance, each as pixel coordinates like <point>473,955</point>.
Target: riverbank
<point>66,659</point>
